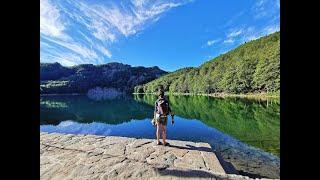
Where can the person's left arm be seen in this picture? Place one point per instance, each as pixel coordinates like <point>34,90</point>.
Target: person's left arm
<point>155,110</point>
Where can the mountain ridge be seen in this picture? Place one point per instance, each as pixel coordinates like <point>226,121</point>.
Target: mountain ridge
<point>58,79</point>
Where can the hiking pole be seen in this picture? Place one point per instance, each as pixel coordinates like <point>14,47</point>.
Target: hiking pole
<point>172,119</point>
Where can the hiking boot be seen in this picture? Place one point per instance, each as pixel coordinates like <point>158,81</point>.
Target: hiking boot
<point>166,144</point>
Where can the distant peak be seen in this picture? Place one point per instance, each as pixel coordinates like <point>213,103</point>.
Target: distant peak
<point>114,62</point>
<point>155,67</point>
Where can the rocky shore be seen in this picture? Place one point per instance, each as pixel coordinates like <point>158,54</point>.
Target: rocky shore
<point>69,156</point>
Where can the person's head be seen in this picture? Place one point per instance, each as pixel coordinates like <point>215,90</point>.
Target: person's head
<point>161,93</point>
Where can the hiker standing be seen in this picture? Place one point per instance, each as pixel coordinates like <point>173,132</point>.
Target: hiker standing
<point>161,112</point>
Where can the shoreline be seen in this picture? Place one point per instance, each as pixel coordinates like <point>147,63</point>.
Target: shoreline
<point>216,95</point>
<point>63,94</point>
<point>223,95</point>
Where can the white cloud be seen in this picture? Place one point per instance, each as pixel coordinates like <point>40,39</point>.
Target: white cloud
<point>264,20</point>
<point>249,33</point>
<point>209,43</point>
<point>209,57</point>
<point>98,25</point>
<point>235,33</point>
<point>85,37</point>
<point>260,9</point>
<point>265,8</point>
<point>228,41</point>
<point>139,3</point>
<point>75,47</point>
<point>260,3</point>
<point>252,34</point>
<point>102,32</point>
<point>66,59</point>
<point>44,45</point>
<point>104,51</point>
<point>271,29</point>
<point>234,19</point>
<point>251,37</point>
<point>106,22</point>
<point>50,23</point>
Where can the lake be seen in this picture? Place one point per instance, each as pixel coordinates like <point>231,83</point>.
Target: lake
<point>244,132</point>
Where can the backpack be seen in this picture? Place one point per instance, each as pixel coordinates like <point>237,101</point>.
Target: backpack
<point>163,107</point>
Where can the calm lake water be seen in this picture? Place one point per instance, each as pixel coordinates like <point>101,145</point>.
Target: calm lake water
<point>244,132</point>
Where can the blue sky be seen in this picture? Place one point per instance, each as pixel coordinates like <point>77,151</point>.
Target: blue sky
<point>171,34</point>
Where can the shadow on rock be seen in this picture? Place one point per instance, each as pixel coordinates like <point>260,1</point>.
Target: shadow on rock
<point>186,173</point>
<point>190,147</point>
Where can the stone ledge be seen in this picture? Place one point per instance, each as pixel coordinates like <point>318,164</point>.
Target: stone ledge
<point>68,156</point>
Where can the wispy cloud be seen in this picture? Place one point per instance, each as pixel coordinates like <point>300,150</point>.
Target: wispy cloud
<point>271,29</point>
<point>266,11</point>
<point>249,34</point>
<point>259,9</point>
<point>234,19</point>
<point>75,47</point>
<point>250,38</point>
<point>252,33</point>
<point>63,57</point>
<point>265,8</point>
<point>235,33</point>
<point>104,51</point>
<point>211,42</point>
<point>109,21</point>
<point>209,57</point>
<point>228,41</point>
<point>50,19</point>
<point>98,24</point>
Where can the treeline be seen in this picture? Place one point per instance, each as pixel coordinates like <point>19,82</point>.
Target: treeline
<point>251,67</point>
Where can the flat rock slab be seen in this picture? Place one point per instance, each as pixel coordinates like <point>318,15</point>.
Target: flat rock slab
<point>68,156</point>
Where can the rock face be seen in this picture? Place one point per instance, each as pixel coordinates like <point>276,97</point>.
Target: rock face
<point>55,79</point>
<point>66,156</point>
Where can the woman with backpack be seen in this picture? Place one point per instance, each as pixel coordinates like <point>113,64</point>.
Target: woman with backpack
<point>161,112</point>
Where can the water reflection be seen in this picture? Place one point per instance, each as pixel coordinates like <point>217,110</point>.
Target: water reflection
<point>243,131</point>
<point>254,122</point>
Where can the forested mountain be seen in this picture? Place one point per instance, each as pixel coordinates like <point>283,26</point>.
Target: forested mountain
<point>55,78</point>
<point>252,67</point>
